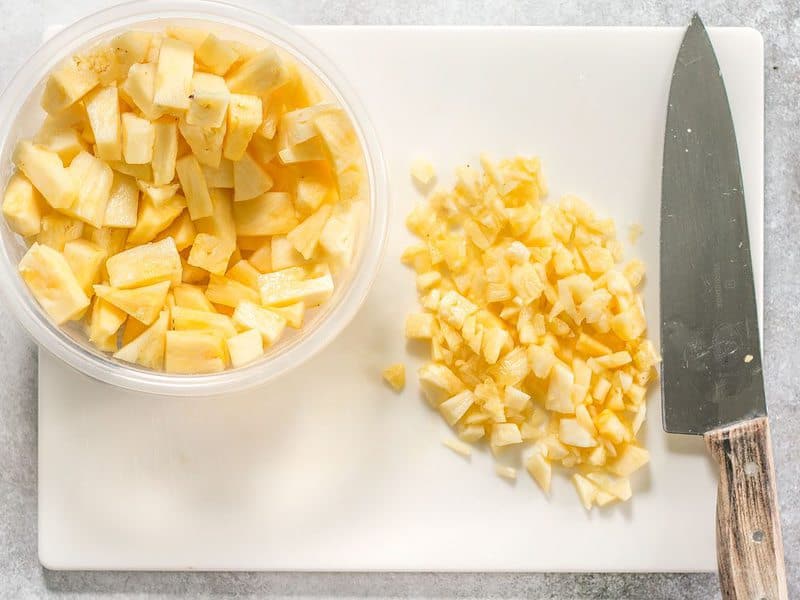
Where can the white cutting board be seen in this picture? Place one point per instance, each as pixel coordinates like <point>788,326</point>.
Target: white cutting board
<point>326,469</point>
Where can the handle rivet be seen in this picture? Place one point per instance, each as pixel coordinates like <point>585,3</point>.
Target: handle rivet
<point>750,468</point>
<point>758,536</point>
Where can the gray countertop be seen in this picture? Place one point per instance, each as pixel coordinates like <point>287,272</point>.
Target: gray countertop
<point>21,576</point>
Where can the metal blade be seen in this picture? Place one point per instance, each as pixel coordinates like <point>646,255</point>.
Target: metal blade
<point>711,374</point>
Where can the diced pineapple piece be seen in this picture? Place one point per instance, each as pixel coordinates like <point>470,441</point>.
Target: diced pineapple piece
<point>194,186</point>
<point>53,284</point>
<point>194,352</point>
<point>455,407</point>
<point>630,324</point>
<point>191,296</point>
<point>284,254</point>
<point>205,142</point>
<point>505,434</point>
<point>191,36</point>
<point>261,258</point>
<point>306,235</point>
<point>420,326</point>
<point>293,313</point>
<point>344,153</point>
<point>123,202</point>
<point>559,390</point>
<point>143,303</point>
<point>221,176</point>
<point>174,74</point>
<point>46,172</point>
<point>158,194</point>
<point>245,347</point>
<point>221,223</point>
<point>138,137</point>
<point>86,260</point>
<point>209,101</point>
<point>153,219</point>
<point>395,376</point>
<point>165,150</point>
<point>139,87</point>
<point>67,85</point>
<point>540,469</point>
<point>112,240</point>
<point>269,324</point>
<point>58,229</point>
<point>147,349</point>
<point>95,178</point>
<point>22,206</point>
<point>244,117</point>
<point>339,236</point>
<point>310,150</point>
<point>619,487</point>
<point>587,491</point>
<point>182,231</point>
<point>422,171</point>
<point>210,253</point>
<point>259,74</point>
<point>245,273</point>
<point>188,318</point>
<point>309,194</point>
<point>572,433</point>
<point>66,142</point>
<point>145,265</point>
<point>269,214</point>
<point>250,180</point>
<point>610,427</point>
<point>105,321</point>
<point>228,292</point>
<point>193,275</point>
<point>140,172</point>
<point>262,149</point>
<point>279,290</point>
<point>216,55</point>
<point>102,108</point>
<point>455,308</point>
<point>438,383</point>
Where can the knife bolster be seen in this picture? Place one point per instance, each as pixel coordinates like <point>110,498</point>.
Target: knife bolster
<point>749,542</point>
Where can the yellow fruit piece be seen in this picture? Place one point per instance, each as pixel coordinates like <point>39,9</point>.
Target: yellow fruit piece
<point>94,190</point>
<point>165,150</point>
<point>174,74</point>
<point>309,194</point>
<point>67,85</point>
<point>22,206</point>
<point>395,376</point>
<point>191,296</point>
<point>123,202</point>
<point>269,214</point>
<point>420,326</point>
<point>438,383</point>
<point>245,273</point>
<point>189,319</point>
<point>338,236</point>
<point>58,229</point>
<point>244,117</point>
<point>278,289</point>
<point>221,223</point>
<point>153,219</point>
<point>112,240</point>
<point>51,281</point>
<point>194,186</point>
<point>194,352</point>
<point>540,469</point>
<point>505,434</point>
<point>245,347</point>
<point>192,274</point>
<point>66,142</point>
<point>250,180</point>
<point>102,109</point>
<point>210,253</point>
<point>422,171</point>
<point>208,101</point>
<point>261,258</point>
<point>46,172</point>
<point>147,349</point>
<point>284,254</point>
<point>306,235</point>
<point>138,137</point>
<point>145,265</point>
<point>86,260</point>
<point>228,292</point>
<point>158,194</point>
<point>269,324</point>
<point>221,176</point>
<point>140,172</point>
<point>458,447</point>
<point>261,73</point>
<point>216,55</point>
<point>139,87</point>
<point>293,313</point>
<point>205,142</point>
<point>344,152</point>
<point>105,321</point>
<point>182,231</point>
<point>143,303</point>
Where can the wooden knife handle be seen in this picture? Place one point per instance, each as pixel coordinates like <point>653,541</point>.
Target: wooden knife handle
<point>749,542</point>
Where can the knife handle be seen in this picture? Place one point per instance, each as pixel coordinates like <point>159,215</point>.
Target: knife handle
<point>749,542</point>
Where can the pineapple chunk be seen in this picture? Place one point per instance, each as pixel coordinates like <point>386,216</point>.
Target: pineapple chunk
<point>422,171</point>
<point>293,314</point>
<point>250,180</point>
<point>228,292</point>
<point>630,459</point>
<point>205,142</point>
<point>104,323</point>
<point>210,253</point>
<point>262,149</point>
<point>261,258</point>
<point>309,194</point>
<point>53,284</point>
<point>67,85</point>
<point>209,101</point>
<point>140,172</point>
<point>138,137</point>
<point>190,35</point>
<point>102,108</point>
<point>216,55</point>
<point>194,186</point>
<point>454,408</point>
<point>540,469</point>
<point>420,326</point>
<point>279,290</point>
<point>505,434</point>
<point>191,296</point>
<point>86,261</point>
<point>174,74</point>
<point>572,433</point>
<point>192,274</point>
<point>95,178</point>
<point>395,376</point>
<point>284,254</point>
<point>245,347</point>
<point>269,214</point>
<point>244,117</point>
<point>123,202</point>
<point>221,224</point>
<point>259,74</point>
<point>188,319</point>
<point>245,273</point>
<point>306,235</point>
<point>110,239</point>
<point>147,349</point>
<point>22,206</point>
<point>344,152</point>
<point>143,303</point>
<point>46,172</point>
<point>619,487</point>
<point>339,235</point>
<point>58,229</point>
<point>139,87</point>
<point>221,176</point>
<point>66,142</point>
<point>438,383</point>
<point>165,150</point>
<point>194,352</point>
<point>132,329</point>
<point>269,324</point>
<point>145,265</point>
<point>154,219</point>
<point>310,150</point>
<point>458,447</point>
<point>587,491</point>
<point>182,231</point>
<point>158,194</point>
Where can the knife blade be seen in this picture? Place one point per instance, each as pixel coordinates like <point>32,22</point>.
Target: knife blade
<point>712,382</point>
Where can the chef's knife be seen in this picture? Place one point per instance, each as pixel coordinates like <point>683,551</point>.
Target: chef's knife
<point>711,374</point>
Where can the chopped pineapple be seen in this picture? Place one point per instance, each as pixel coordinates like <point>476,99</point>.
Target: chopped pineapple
<point>209,101</point>
<point>110,239</point>
<point>46,172</point>
<point>277,289</point>
<point>194,186</point>
<point>138,137</point>
<point>143,303</point>
<point>269,324</point>
<point>165,150</point>
<point>123,202</point>
<point>102,108</point>
<point>189,319</point>
<point>210,253</point>
<point>174,74</point>
<point>422,171</point>
<point>259,74</point>
<point>67,85</point>
<point>205,142</point>
<point>395,376</point>
<point>145,265</point>
<point>105,321</point>
<point>192,296</point>
<point>158,194</point>
<point>147,349</point>
<point>194,352</point>
<point>86,260</point>
<point>245,347</point>
<point>96,179</point>
<point>53,284</point>
<point>344,152</point>
<point>250,180</point>
<point>306,235</point>
<point>58,229</point>
<point>221,223</point>
<point>66,142</point>
<point>22,206</point>
<point>309,194</point>
<point>154,219</point>
<point>245,273</point>
<point>269,214</point>
<point>216,55</point>
<point>244,117</point>
<point>228,292</point>
<point>221,176</point>
<point>293,313</point>
<point>284,255</point>
<point>139,88</point>
<point>182,231</point>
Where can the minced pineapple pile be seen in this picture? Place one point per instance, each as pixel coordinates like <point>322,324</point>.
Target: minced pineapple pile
<point>187,197</point>
<point>535,327</point>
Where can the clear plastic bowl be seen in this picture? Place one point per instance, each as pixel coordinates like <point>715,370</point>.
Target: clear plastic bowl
<point>22,116</point>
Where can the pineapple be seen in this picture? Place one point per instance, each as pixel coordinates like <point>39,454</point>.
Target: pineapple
<point>310,150</point>
<point>249,179</point>
<point>269,324</point>
<point>220,224</point>
<point>22,206</point>
<point>339,235</point>
<point>244,117</point>
<point>86,260</point>
<point>139,86</point>
<point>165,150</point>
<point>310,193</point>
<point>140,172</point>
<point>344,153</point>
<point>243,272</point>
<point>261,258</point>
<point>269,214</point>
<point>191,36</point>
<point>105,321</point>
<point>186,319</point>
<point>154,219</point>
<point>192,274</point>
<point>102,108</point>
<point>194,186</point>
<point>53,284</point>
<point>305,236</point>
<point>174,74</point>
<point>278,289</point>
<point>284,254</point>
<point>221,176</point>
<point>158,194</point>
<point>227,292</point>
<point>132,329</point>
<point>193,352</point>
<point>131,47</point>
<point>208,101</point>
<point>64,141</point>
<point>67,85</point>
<point>95,178</point>
<point>259,74</point>
<point>297,126</point>
<point>293,313</point>
<point>112,240</point>
<point>205,142</point>
<point>145,265</point>
<point>395,376</point>
<point>249,243</point>
<point>245,347</point>
<point>192,296</point>
<point>143,303</point>
<point>58,229</point>
<point>182,231</point>
<point>216,55</point>
<point>138,137</point>
<point>263,149</point>
<point>147,349</point>
<point>210,253</point>
<point>123,202</point>
<point>46,172</point>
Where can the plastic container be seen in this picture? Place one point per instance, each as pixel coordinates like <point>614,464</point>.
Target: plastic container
<point>22,116</point>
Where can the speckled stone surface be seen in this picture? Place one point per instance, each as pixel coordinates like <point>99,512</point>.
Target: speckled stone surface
<point>21,576</point>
